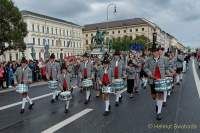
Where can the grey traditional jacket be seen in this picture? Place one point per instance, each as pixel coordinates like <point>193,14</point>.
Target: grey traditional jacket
<point>89,67</point>
<point>151,64</point>
<point>120,67</point>
<point>23,75</point>
<point>101,72</point>
<point>66,77</point>
<point>179,61</point>
<point>52,69</point>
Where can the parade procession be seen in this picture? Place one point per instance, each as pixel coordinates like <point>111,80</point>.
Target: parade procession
<point>99,66</point>
<point>109,76</point>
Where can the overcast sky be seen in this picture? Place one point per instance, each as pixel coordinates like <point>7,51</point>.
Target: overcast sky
<point>180,18</point>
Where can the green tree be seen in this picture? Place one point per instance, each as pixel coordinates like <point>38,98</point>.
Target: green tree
<point>143,41</point>
<point>122,44</point>
<point>12,28</point>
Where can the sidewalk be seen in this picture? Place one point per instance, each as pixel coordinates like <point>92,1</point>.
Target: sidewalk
<point>32,85</point>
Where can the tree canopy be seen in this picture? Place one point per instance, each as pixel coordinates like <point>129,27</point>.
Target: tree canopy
<point>124,43</point>
<point>12,28</point>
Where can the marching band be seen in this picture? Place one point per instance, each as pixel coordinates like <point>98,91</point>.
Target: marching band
<point>110,75</point>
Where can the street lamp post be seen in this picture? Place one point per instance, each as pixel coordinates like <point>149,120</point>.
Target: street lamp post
<point>115,10</point>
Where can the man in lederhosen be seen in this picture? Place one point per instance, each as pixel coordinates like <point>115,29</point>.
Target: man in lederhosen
<point>86,73</point>
<point>117,73</point>
<point>156,68</point>
<point>105,79</point>
<point>65,83</point>
<point>23,75</point>
<point>52,73</point>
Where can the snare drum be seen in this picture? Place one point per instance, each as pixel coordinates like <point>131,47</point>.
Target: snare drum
<point>160,85</point>
<point>107,89</point>
<point>86,83</point>
<point>118,85</point>
<point>22,88</point>
<point>169,82</point>
<point>53,85</point>
<point>66,95</point>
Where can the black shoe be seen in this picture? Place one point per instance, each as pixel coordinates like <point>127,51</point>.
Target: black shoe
<point>52,100</point>
<point>22,111</point>
<point>116,104</point>
<point>57,97</point>
<point>144,87</point>
<point>164,104</point>
<point>156,108</point>
<point>158,117</point>
<point>109,107</point>
<point>66,111</point>
<point>31,106</point>
<point>86,102</point>
<point>181,80</point>
<point>120,99</point>
<point>131,96</point>
<point>177,83</point>
<point>106,113</point>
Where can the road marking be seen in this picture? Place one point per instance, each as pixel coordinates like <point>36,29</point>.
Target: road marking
<point>18,103</point>
<point>67,121</point>
<point>196,77</point>
<point>33,85</point>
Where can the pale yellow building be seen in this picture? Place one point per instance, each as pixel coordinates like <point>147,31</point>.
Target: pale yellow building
<point>129,27</point>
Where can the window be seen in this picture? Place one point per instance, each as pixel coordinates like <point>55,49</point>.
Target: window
<point>47,30</point>
<point>44,41</point>
<point>42,29</point>
<point>51,30</point>
<point>64,43</point>
<point>67,32</point>
<point>47,41</point>
<point>118,31</point>
<point>39,55</point>
<point>60,31</point>
<point>52,42</point>
<point>142,29</point>
<point>130,30</point>
<point>136,30</point>
<point>63,32</point>
<point>86,42</point>
<point>17,56</point>
<point>124,31</point>
<point>33,41</point>
<point>33,27</point>
<point>113,32</point>
<point>131,38</point>
<point>86,35</point>
<point>91,34</point>
<point>38,27</point>
<point>38,41</point>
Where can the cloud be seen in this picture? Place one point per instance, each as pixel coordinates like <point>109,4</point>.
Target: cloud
<point>178,17</point>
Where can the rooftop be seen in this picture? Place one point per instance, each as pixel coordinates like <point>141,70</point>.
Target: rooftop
<point>24,12</point>
<point>113,24</point>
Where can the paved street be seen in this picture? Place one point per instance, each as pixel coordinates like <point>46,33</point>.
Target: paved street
<point>132,116</point>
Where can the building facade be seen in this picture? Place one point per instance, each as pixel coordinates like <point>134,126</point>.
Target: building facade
<point>130,27</point>
<point>63,38</point>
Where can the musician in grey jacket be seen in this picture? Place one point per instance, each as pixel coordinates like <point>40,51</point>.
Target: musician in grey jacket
<point>86,72</point>
<point>156,68</point>
<point>23,75</point>
<point>65,83</point>
<point>52,74</point>
<point>105,79</point>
